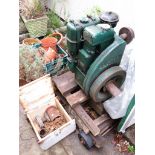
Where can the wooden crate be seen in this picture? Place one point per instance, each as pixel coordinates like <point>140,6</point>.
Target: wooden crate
<point>35,97</point>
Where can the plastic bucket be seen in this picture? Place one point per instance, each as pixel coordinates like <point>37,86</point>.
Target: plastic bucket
<point>49,42</point>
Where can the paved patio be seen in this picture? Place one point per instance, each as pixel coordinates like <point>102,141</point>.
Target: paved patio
<point>68,146</point>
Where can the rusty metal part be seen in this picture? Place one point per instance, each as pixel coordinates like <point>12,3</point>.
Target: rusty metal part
<point>46,117</point>
<point>112,89</point>
<point>127,34</point>
<point>90,111</point>
<point>52,113</point>
<point>43,132</point>
<point>53,125</point>
<point>39,121</point>
<point>50,126</point>
<point>123,36</point>
<point>98,91</point>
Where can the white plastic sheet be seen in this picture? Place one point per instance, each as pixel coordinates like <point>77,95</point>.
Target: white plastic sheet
<point>117,106</point>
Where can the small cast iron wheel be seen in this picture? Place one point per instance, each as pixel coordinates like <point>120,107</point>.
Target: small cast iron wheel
<point>127,34</point>
<point>86,140</point>
<point>98,90</point>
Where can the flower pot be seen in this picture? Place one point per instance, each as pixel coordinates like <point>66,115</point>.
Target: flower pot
<point>51,41</point>
<point>30,41</point>
<point>36,27</point>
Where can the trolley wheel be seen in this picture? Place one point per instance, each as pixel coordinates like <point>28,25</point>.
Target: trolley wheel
<point>86,140</point>
<point>98,91</point>
<point>127,34</point>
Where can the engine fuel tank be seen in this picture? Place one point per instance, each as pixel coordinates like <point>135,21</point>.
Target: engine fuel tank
<point>95,35</point>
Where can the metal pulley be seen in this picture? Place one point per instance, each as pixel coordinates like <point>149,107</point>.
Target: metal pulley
<point>107,84</point>
<point>127,34</point>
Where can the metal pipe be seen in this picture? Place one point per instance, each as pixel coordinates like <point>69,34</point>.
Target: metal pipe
<point>112,88</point>
<point>42,132</point>
<point>123,36</point>
<point>39,121</point>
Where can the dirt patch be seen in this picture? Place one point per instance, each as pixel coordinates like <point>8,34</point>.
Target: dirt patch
<point>122,145</point>
<point>91,112</point>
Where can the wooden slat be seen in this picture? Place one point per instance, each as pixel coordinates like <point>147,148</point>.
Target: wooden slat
<point>79,122</point>
<point>101,119</point>
<point>65,82</point>
<point>68,75</point>
<point>87,120</point>
<point>108,130</point>
<point>105,129</point>
<point>76,98</point>
<point>104,126</point>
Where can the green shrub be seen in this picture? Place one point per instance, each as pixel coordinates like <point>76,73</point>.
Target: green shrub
<point>95,11</point>
<point>131,149</point>
<point>54,20</point>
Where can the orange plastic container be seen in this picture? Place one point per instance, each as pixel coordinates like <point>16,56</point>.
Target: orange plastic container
<point>51,41</point>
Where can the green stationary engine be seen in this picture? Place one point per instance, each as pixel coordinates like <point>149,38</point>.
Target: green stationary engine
<point>95,52</point>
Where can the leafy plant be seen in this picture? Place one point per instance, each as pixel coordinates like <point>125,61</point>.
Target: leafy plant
<point>49,32</point>
<point>63,11</point>
<point>95,11</point>
<point>32,9</point>
<point>54,20</point>
<point>131,148</point>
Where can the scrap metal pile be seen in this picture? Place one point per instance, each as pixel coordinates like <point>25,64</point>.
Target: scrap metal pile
<point>52,120</point>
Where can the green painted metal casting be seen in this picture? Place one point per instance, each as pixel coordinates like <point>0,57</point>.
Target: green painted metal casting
<point>92,50</point>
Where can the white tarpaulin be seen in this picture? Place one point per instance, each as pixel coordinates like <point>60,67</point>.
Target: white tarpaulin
<point>117,106</point>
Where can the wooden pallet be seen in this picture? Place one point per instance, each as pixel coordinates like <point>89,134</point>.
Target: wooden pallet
<point>67,86</point>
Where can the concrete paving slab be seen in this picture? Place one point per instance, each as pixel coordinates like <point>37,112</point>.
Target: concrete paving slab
<point>23,123</point>
<point>27,134</point>
<point>57,149</point>
<point>68,146</point>
<point>73,146</point>
<point>27,139</point>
